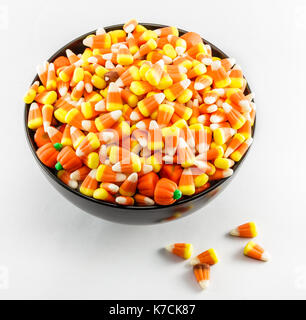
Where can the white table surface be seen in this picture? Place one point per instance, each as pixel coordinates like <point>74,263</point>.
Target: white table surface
<point>50,249</point>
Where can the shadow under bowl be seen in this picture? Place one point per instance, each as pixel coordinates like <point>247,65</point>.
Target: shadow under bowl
<point>134,215</point>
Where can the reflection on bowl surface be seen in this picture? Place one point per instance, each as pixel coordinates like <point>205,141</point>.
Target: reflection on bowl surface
<point>130,215</point>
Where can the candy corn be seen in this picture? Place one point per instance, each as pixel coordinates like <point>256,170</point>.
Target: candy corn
<point>202,274</point>
<point>255,251</point>
<point>246,230</point>
<point>149,115</point>
<point>209,257</point>
<point>183,250</point>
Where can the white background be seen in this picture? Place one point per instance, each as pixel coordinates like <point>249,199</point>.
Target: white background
<point>50,249</point>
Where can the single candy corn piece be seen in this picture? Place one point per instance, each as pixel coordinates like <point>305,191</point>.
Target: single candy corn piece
<point>64,176</point>
<point>155,141</point>
<point>176,89</point>
<point>51,78</point>
<point>128,187</point>
<point>185,156</point>
<point>104,195</point>
<point>166,192</point>
<point>106,174</point>
<point>31,93</point>
<point>253,250</point>
<point>91,160</point>
<point>246,129</point>
<point>182,111</point>
<point>183,250</point>
<point>239,100</point>
<point>209,257</point>
<point>186,183</point>
<point>191,39</point>
<point>237,141</point>
<point>77,136</point>
<point>234,117</point>
<point>149,104</point>
<point>89,144</point>
<point>55,135</point>
<point>221,174</point>
<point>74,118</point>
<point>142,200</point>
<point>165,113</point>
<point>35,118</point>
<point>124,56</point>
<point>144,49</point>
<point>125,201</point>
<point>128,165</point>
<point>223,163</point>
<point>154,74</point>
<point>128,97</point>
<point>80,174</point>
<point>202,82</point>
<point>90,184</point>
<point>68,160</point>
<point>114,101</point>
<point>166,31</point>
<point>246,230</point>
<point>240,151</point>
<point>140,87</point>
<point>222,135</point>
<point>236,76</point>
<point>130,25</point>
<point>202,274</point>
<point>48,153</point>
<point>42,71</point>
<point>107,120</point>
<point>221,78</point>
<point>110,187</point>
<point>102,41</point>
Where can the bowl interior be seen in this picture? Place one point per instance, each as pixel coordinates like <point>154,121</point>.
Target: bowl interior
<point>77,46</point>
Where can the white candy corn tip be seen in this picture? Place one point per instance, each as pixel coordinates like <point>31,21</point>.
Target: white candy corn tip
<point>180,50</point>
<point>200,164</point>
<point>79,152</point>
<point>226,107</point>
<point>51,131</point>
<point>147,168</point>
<point>232,61</point>
<point>153,125</point>
<point>207,61</point>
<point>80,86</point>
<point>134,116</point>
<point>148,201</point>
<point>216,65</point>
<point>109,65</point>
<point>100,31</point>
<point>210,100</point>
<point>159,97</point>
<point>107,56</point>
<point>212,108</point>
<point>140,125</point>
<point>228,173</point>
<point>169,247</point>
<point>204,284</point>
<point>182,143</point>
<point>142,141</point>
<point>107,136</point>
<point>167,59</point>
<point>199,86</point>
<point>114,188</point>
<point>245,104</point>
<point>120,200</point>
<point>133,177</point>
<point>69,53</point>
<point>73,184</point>
<point>266,256</point>
<point>237,67</point>
<point>92,60</point>
<point>75,175</point>
<point>100,106</point>
<point>185,83</point>
<point>201,118</point>
<point>161,63</point>
<point>194,261</point>
<point>116,114</point>
<point>63,91</point>
<point>129,28</point>
<point>116,167</point>
<point>86,125</point>
<point>235,232</point>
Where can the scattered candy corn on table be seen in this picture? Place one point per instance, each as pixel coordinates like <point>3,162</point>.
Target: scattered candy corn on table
<point>139,118</point>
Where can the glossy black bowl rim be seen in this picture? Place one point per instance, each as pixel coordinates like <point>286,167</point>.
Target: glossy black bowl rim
<point>113,205</point>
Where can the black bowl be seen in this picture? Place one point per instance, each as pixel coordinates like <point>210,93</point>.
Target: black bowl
<point>129,215</point>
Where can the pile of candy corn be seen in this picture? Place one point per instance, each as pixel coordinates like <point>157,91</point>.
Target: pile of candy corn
<point>141,116</point>
<point>203,261</point>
